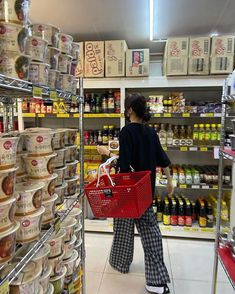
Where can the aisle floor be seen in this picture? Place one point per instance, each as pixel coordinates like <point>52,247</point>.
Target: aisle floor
<point>189,263</point>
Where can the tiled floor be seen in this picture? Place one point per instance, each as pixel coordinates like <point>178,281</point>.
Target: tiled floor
<point>189,263</point>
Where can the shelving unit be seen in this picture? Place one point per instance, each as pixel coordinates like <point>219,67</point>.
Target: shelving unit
<point>12,89</point>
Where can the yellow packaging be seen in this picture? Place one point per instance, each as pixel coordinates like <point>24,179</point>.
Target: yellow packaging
<point>91,172</point>
<point>55,107</point>
<point>62,107</point>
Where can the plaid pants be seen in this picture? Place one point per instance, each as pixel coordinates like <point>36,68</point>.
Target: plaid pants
<point>122,250</point>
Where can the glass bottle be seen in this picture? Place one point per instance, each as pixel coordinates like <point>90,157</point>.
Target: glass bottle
<point>162,135</point>
<point>189,136</point>
<point>100,138</point>
<point>87,107</point>
<point>201,135</point>
<point>97,104</point>
<point>182,136</point>
<point>213,135</point>
<point>176,137</point>
<point>104,105</point>
<point>218,133</point>
<point>169,136</point>
<point>105,134</point>
<point>195,134</point>
<point>111,103</point>
<point>111,133</point>
<point>92,102</point>
<point>208,135</point>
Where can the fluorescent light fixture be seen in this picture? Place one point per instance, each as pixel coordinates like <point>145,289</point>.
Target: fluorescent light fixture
<point>214,34</point>
<point>151,17</point>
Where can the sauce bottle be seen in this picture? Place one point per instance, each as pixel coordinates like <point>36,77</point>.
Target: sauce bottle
<point>105,134</point>
<point>169,136</point>
<point>181,214</point>
<point>176,136</point>
<point>159,210</point>
<point>162,135</point>
<point>104,104</point>
<point>182,136</point>
<point>188,214</point>
<point>208,135</point>
<point>166,214</point>
<point>87,107</point>
<point>201,135</point>
<point>97,104</point>
<point>213,135</point>
<point>209,216</point>
<point>195,134</point>
<point>202,215</point>
<point>218,133</point>
<point>111,133</point>
<point>174,216</point>
<point>117,102</point>
<point>111,103</point>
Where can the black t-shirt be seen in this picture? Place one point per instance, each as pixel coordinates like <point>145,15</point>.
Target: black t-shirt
<point>140,148</point>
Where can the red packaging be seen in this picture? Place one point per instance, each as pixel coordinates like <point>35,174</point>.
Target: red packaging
<point>174,220</point>
<point>181,220</point>
<point>188,221</point>
<point>43,108</point>
<point>32,107</point>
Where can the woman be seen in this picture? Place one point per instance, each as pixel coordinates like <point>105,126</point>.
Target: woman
<point>140,149</point>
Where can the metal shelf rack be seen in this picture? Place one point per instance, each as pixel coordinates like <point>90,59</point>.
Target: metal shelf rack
<point>10,90</point>
<point>223,255</point>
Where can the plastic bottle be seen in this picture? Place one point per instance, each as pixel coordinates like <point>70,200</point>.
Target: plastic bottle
<point>218,133</point>
<point>162,135</point>
<point>213,135</point>
<point>195,134</point>
<point>182,136</point>
<point>166,214</point>
<point>169,136</point>
<point>208,135</point>
<point>176,137</point>
<point>201,135</point>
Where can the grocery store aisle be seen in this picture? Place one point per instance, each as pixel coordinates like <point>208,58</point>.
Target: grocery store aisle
<point>188,261</point>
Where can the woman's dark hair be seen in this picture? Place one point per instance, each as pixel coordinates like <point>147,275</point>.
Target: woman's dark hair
<point>139,105</point>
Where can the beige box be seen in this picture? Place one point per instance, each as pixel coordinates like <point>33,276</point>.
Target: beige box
<point>199,55</point>
<point>222,55</point>
<point>176,56</point>
<point>115,58</point>
<point>94,59</point>
<point>137,62</point>
<point>80,65</point>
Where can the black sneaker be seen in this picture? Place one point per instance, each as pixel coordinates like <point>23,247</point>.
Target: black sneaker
<point>155,290</point>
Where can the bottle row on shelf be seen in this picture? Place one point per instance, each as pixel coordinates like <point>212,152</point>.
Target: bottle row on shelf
<point>101,137</point>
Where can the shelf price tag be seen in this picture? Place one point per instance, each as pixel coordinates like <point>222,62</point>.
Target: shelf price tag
<point>57,225</point>
<point>29,115</point>
<point>185,114</point>
<point>203,149</point>
<point>4,288</point>
<point>76,115</point>
<point>183,186</point>
<point>41,115</point>
<point>215,187</point>
<point>157,115</point>
<point>53,95</point>
<point>62,115</point>
<point>37,92</point>
<point>187,229</point>
<point>195,186</point>
<point>183,148</point>
<point>209,114</point>
<point>164,148</point>
<point>193,148</point>
<point>167,115</point>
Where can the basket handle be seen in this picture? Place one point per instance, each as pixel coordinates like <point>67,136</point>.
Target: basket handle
<point>104,166</point>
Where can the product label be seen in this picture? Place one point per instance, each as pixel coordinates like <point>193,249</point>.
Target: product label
<point>137,58</point>
<point>94,58</point>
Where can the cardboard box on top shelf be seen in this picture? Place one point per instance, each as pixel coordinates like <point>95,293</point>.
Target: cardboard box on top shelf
<point>115,58</point>
<point>137,62</point>
<point>80,66</point>
<point>94,59</point>
<point>222,54</point>
<point>199,55</point>
<point>176,57</point>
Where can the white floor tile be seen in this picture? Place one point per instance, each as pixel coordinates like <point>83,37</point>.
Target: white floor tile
<point>93,282</point>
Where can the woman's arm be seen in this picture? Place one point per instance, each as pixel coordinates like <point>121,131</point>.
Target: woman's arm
<point>170,186</point>
<point>102,150</point>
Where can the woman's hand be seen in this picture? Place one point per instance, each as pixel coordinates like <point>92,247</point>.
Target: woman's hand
<point>170,187</point>
<point>102,150</point>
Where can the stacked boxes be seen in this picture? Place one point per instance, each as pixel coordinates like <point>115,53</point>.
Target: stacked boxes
<point>94,59</point>
<point>80,63</point>
<point>137,62</point>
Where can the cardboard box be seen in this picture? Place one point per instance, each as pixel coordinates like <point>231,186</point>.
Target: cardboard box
<point>199,56</point>
<point>115,58</point>
<point>80,66</point>
<point>176,56</point>
<point>222,55</point>
<point>137,62</point>
<point>94,59</point>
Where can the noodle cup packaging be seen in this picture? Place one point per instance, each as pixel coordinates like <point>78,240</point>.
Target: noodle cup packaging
<point>69,224</point>
<point>69,247</point>
<point>47,32</point>
<point>56,243</point>
<point>70,136</point>
<point>65,43</point>
<point>7,183</point>
<point>64,65</point>
<point>8,243</point>
<point>7,212</point>
<point>72,185</point>
<point>41,258</point>
<point>49,213</point>
<point>60,191</point>
<point>21,179</point>
<point>14,65</point>
<point>49,186</point>
<point>60,158</point>
<point>40,290</point>
<point>58,281</point>
<point>39,143</point>
<point>73,68</point>
<point>61,173</point>
<point>74,85</point>
<point>29,197</point>
<point>12,37</point>
<point>50,289</point>
<point>21,144</point>
<point>40,167</point>
<point>56,264</point>
<point>75,50</point>
<point>53,77</point>
<point>71,263</point>
<point>30,226</point>
<point>79,72</point>
<point>38,73</point>
<point>137,62</point>
<point>94,59</point>
<point>8,148</point>
<point>78,248</point>
<point>59,139</point>
<point>20,164</point>
<point>14,11</point>
<point>78,233</point>
<point>36,48</point>
<point>45,279</point>
<point>52,57</point>
<point>71,153</point>
<point>71,169</point>
<point>76,213</point>
<point>65,82</point>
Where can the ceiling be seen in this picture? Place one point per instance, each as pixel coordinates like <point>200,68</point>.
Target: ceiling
<point>129,19</point>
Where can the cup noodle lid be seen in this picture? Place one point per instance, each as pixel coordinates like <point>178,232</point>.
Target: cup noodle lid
<point>29,186</point>
<point>69,222</point>
<point>30,273</point>
<point>50,289</point>
<point>61,276</point>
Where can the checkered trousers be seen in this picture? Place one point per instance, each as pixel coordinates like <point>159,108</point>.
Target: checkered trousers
<point>122,250</point>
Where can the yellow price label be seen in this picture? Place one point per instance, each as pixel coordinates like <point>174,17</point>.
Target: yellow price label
<point>29,115</point>
<point>215,187</point>
<point>62,115</point>
<point>187,229</point>
<point>165,148</point>
<point>183,148</point>
<point>203,149</point>
<point>186,115</point>
<point>41,115</point>
<point>157,115</point>
<point>76,115</point>
<point>209,114</point>
<point>183,186</point>
<point>57,226</point>
<point>53,95</point>
<point>167,115</point>
<point>4,288</point>
<point>37,92</point>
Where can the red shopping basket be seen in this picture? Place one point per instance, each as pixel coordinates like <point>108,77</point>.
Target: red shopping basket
<point>129,198</point>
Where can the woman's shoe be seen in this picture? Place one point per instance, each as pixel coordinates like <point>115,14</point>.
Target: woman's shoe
<point>157,290</point>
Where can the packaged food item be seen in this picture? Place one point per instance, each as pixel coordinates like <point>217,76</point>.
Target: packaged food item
<point>94,59</point>
<point>71,153</point>
<point>71,263</point>
<point>45,279</point>
<point>56,264</point>
<point>65,43</point>
<point>60,176</point>
<point>166,213</point>
<point>71,169</point>
<point>46,32</point>
<point>49,214</point>
<point>137,62</point>
<point>69,247</point>
<point>79,72</point>
<point>7,211</point>
<point>7,183</point>
<point>58,281</point>
<point>14,11</point>
<point>60,158</point>
<point>39,73</point>
<point>36,48</point>
<point>52,57</point>
<point>53,78</point>
<point>58,140</point>
<point>64,65</point>
<point>91,172</point>
<point>8,149</point>
<point>60,191</point>
<point>56,243</point>
<point>69,224</point>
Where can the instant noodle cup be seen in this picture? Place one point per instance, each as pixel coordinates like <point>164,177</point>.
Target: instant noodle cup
<point>61,173</point>
<point>75,51</point>
<point>78,233</point>
<point>29,198</point>
<point>71,153</point>
<point>20,145</point>
<point>8,243</point>
<point>21,168</point>
<point>64,65</point>
<point>60,158</point>
<point>39,73</point>
<point>60,191</point>
<point>56,243</point>
<point>45,279</point>
<point>69,224</point>
<point>56,264</point>
<point>50,289</point>
<point>36,48</point>
<point>59,139</point>
<point>8,148</point>
<point>74,86</point>
<point>7,183</point>
<point>53,78</point>
<point>47,32</point>
<point>7,212</point>
<point>71,263</point>
<point>77,214</point>
<point>21,179</point>
<point>70,137</point>
<point>71,169</point>
<point>28,279</point>
<point>65,82</point>
<point>12,37</point>
<point>58,281</point>
<point>72,185</point>
<point>49,186</point>
<point>65,43</point>
<point>39,142</point>
<point>30,226</point>
<point>49,214</point>
<point>52,57</point>
<point>40,167</point>
<point>14,65</point>
<point>78,248</point>
<point>68,248</point>
<point>14,11</point>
